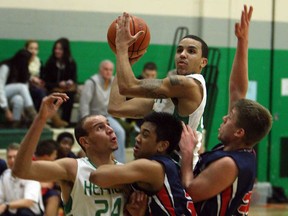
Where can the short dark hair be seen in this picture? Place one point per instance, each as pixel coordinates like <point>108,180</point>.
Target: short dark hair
<point>168,128</point>
<point>149,66</point>
<point>63,135</point>
<point>13,146</point>
<point>80,131</point>
<point>46,147</point>
<point>254,118</point>
<point>205,49</point>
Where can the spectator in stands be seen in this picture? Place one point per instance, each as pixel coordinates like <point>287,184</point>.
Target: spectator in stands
<point>149,71</point>
<point>3,166</point>
<point>60,75</point>
<point>15,98</point>
<point>47,150</point>
<point>18,196</point>
<point>65,141</point>
<point>36,84</point>
<point>94,101</point>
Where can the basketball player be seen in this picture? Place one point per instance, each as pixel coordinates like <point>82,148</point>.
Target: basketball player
<point>153,171</point>
<point>183,94</point>
<point>97,139</point>
<point>223,178</point>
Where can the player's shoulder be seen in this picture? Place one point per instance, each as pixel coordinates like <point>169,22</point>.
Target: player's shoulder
<point>69,164</point>
<point>182,79</point>
<point>145,163</point>
<point>226,163</point>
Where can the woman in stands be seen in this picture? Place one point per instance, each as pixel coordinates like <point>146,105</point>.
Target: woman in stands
<point>60,74</point>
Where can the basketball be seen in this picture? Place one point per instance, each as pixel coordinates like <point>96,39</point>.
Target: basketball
<point>139,47</point>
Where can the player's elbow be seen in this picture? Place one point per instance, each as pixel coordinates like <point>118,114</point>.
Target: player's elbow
<point>194,192</point>
<point>124,89</point>
<point>186,184</point>
<point>114,111</point>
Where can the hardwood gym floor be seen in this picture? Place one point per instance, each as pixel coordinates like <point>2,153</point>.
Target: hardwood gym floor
<point>269,210</point>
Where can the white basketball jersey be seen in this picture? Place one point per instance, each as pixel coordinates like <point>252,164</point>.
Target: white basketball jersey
<point>89,199</point>
<point>193,120</point>
<point>167,105</point>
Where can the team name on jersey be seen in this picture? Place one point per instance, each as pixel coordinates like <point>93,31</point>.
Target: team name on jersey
<point>92,189</point>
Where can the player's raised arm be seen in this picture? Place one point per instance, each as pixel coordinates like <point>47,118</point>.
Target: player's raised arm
<point>239,75</point>
<point>24,167</point>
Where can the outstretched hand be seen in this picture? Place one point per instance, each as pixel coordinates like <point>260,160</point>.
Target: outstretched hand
<point>242,28</point>
<point>50,104</point>
<point>137,204</point>
<point>124,39</point>
<point>188,140</point>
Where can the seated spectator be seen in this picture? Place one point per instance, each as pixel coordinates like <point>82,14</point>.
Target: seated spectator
<point>3,166</point>
<point>149,71</point>
<point>18,196</point>
<point>15,98</point>
<point>94,101</point>
<point>47,150</point>
<point>60,75</point>
<point>36,84</point>
<point>66,142</point>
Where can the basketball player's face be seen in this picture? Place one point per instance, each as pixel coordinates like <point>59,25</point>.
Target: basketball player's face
<point>228,129</point>
<point>146,144</point>
<point>188,57</point>
<point>101,137</point>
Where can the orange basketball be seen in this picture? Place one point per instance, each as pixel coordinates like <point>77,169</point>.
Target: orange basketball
<point>139,47</point>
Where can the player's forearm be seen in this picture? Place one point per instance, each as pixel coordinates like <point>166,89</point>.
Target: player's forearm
<point>187,175</point>
<point>116,100</point>
<point>126,77</point>
<point>28,145</point>
<point>109,175</point>
<point>103,177</point>
<point>239,74</point>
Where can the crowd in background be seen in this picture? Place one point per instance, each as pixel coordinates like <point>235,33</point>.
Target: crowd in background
<point>27,197</point>
<point>24,81</point>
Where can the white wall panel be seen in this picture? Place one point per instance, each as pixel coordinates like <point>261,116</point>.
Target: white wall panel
<point>158,7</point>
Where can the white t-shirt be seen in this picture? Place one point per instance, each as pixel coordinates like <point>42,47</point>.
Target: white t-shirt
<point>13,188</point>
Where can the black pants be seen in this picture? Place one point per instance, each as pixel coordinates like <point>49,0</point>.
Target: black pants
<point>68,106</point>
<point>21,212</point>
